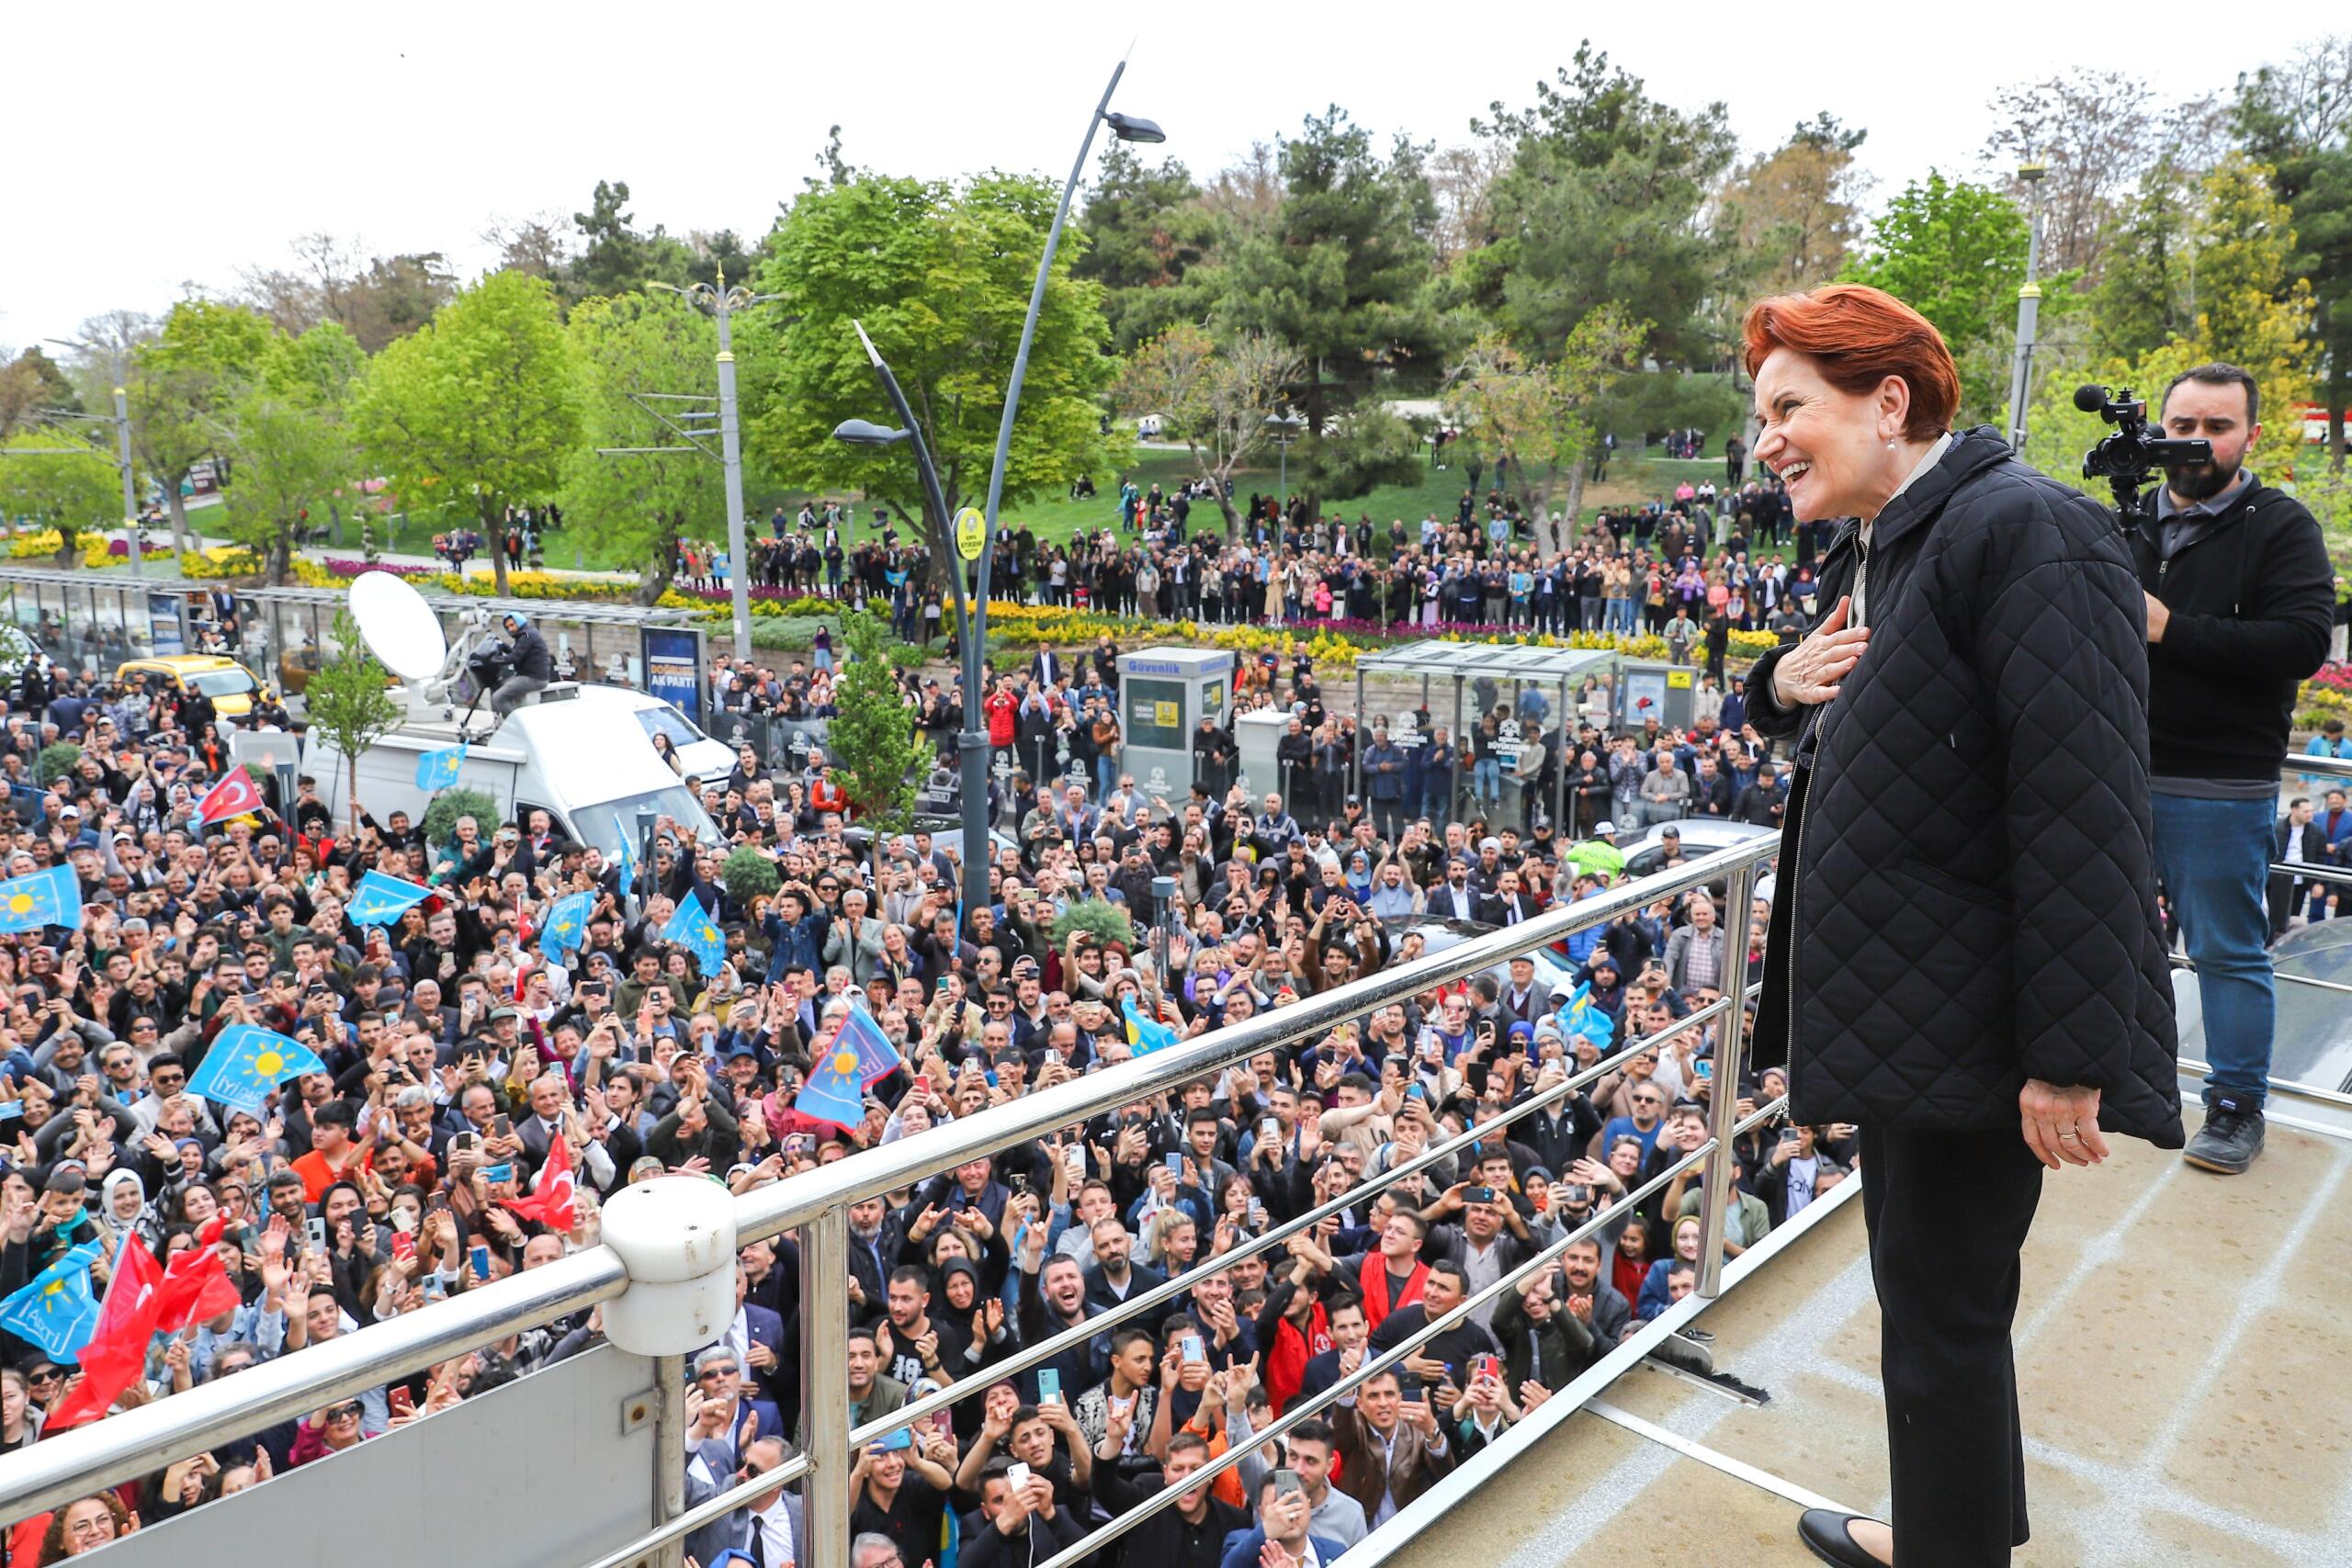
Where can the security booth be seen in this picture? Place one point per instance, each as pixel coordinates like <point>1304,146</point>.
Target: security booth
<point>1651,688</point>
<point>1540,685</point>
<point>1164,692</point>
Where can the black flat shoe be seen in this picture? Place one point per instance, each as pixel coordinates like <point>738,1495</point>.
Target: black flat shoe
<point>1824,1533</point>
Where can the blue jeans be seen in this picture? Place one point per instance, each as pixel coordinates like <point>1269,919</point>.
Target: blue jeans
<point>2213,857</point>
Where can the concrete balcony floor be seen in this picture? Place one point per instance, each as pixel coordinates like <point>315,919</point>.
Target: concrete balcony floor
<point>2185,1366</point>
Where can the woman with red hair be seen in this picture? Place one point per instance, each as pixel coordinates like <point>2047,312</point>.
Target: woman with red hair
<point>1964,959</point>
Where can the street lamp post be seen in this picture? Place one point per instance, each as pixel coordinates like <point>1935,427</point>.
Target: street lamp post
<point>972,619</point>
<point>122,452</point>
<point>972,740</point>
<point>723,303</point>
<point>1285,427</point>
<point>2029,307</point>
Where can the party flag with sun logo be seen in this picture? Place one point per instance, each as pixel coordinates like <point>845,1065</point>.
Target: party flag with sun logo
<point>835,1091</point>
<point>439,770</point>
<point>567,925</point>
<point>693,928</point>
<point>379,900</point>
<point>56,1310</point>
<point>246,1063</point>
<point>51,897</point>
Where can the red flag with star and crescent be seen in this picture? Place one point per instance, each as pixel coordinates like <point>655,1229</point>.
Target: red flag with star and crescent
<point>551,1205</point>
<point>117,1353</point>
<point>234,795</point>
<point>196,1284</point>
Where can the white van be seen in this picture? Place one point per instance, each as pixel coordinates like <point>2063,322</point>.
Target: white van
<point>699,755</point>
<point>594,777</point>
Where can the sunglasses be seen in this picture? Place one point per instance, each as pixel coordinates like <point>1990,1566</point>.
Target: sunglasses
<point>343,1412</point>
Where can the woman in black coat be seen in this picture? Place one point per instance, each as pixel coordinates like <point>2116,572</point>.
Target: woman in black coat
<point>1964,958</point>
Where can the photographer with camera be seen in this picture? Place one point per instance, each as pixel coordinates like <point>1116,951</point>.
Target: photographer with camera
<point>2239,596</point>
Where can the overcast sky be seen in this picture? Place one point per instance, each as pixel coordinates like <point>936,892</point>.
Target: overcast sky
<point>180,143</point>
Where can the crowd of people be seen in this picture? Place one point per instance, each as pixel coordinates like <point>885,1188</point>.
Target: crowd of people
<point>457,1055</point>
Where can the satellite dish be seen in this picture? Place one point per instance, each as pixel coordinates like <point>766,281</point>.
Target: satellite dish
<point>399,626</point>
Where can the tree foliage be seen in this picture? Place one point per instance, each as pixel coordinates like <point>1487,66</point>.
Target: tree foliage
<point>1540,415</point>
<point>1216,397</point>
<point>1604,203</point>
<point>478,410</point>
<point>871,737</point>
<point>2295,119</point>
<point>1343,274</point>
<point>182,379</point>
<point>74,492</point>
<point>1955,252</point>
<point>1793,210</point>
<point>29,384</point>
<point>2095,131</point>
<point>348,702</point>
<point>1147,231</point>
<point>940,277</point>
<point>637,507</point>
<point>376,300</point>
<point>287,432</point>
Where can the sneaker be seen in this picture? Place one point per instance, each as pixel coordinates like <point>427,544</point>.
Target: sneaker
<point>2230,1137</point>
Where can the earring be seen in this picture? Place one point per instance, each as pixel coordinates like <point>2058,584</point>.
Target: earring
<point>1890,446</point>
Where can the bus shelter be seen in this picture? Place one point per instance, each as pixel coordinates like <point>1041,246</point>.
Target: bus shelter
<point>1481,671</point>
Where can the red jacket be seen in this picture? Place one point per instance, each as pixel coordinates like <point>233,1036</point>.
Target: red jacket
<point>1001,707</point>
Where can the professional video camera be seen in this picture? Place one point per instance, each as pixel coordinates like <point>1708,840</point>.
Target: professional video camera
<point>2126,459</point>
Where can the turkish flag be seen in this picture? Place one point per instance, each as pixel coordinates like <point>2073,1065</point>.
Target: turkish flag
<point>234,795</point>
<point>551,1205</point>
<point>196,1286</point>
<point>117,1353</point>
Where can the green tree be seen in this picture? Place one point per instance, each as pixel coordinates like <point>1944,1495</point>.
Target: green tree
<point>348,702</point>
<point>2296,118</point>
<point>45,479</point>
<point>1605,203</point>
<point>1147,229</point>
<point>29,384</point>
<point>1794,210</point>
<point>479,408</point>
<point>1955,252</point>
<point>180,380</point>
<point>939,274</point>
<point>614,257</point>
<point>636,508</point>
<point>1540,416</point>
<point>1343,274</point>
<point>291,448</point>
<point>870,739</point>
<point>1216,397</point>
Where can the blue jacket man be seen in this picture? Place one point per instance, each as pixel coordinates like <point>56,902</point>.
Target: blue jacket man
<point>797,942</point>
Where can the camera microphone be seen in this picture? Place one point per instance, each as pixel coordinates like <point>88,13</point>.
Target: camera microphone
<point>2091,397</point>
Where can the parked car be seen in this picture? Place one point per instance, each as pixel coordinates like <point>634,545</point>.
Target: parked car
<point>230,684</point>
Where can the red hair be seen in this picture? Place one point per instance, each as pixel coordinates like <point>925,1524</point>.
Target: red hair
<point>1860,336</point>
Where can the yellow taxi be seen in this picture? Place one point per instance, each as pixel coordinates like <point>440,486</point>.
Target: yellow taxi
<point>230,684</point>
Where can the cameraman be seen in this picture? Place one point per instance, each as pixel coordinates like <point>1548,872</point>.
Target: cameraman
<point>527,658</point>
<point>2240,597</point>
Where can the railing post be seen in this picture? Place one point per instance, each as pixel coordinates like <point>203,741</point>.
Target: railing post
<point>669,1453</point>
<point>824,1398</point>
<point>1723,1106</point>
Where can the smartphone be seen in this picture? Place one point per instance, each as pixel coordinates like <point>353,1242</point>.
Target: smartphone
<point>1703,1068</point>
<point>1486,1366</point>
<point>901,1438</point>
<point>1016,1475</point>
<point>498,1172</point>
<point>1257,1211</point>
<point>1413,1091</point>
<point>1478,1194</point>
<point>404,1244</point>
<point>1018,1185</point>
<point>503,1127</point>
<point>400,1400</point>
<point>1049,1386</point>
<point>1286,1481</point>
<point>1053,1057</point>
<point>1788,1134</point>
<point>1195,1350</point>
<point>1176,1165</point>
<point>1270,1130</point>
<point>479,1258</point>
<point>465,1143</point>
<point>317,1229</point>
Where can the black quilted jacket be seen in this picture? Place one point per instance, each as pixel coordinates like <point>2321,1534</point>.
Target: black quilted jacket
<point>1966,893</point>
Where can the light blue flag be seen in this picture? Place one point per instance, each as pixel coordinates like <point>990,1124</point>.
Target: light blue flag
<point>567,924</point>
<point>379,900</point>
<point>1581,1015</point>
<point>834,1091</point>
<point>246,1063</point>
<point>438,770</point>
<point>51,897</point>
<point>1145,1034</point>
<point>693,928</point>
<point>57,1310</point>
<point>877,1057</point>
<point>627,863</point>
